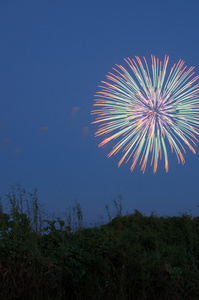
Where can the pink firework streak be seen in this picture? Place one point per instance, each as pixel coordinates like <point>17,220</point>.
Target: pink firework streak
<point>147,110</point>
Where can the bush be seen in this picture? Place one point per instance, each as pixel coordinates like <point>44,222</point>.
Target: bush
<point>131,257</point>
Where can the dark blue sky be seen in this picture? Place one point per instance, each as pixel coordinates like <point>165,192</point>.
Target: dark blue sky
<point>53,55</point>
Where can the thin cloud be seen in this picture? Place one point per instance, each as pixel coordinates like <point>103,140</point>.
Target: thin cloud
<point>74,110</point>
<point>85,131</point>
<point>43,129</point>
<point>6,142</point>
<point>15,150</point>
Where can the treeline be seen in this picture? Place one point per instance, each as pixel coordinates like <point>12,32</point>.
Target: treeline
<point>132,257</point>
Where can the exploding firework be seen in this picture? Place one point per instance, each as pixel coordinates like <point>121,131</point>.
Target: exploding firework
<point>147,110</point>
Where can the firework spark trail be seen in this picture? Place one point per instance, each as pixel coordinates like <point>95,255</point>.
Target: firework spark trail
<point>144,110</point>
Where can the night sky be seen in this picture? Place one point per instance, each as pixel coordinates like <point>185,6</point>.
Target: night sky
<point>53,56</point>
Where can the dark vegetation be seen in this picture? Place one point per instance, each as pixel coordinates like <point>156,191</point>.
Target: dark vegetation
<point>132,257</point>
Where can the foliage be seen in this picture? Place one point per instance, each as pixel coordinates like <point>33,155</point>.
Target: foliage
<point>131,257</point>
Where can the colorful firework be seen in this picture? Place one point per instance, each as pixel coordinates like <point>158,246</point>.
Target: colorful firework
<point>148,110</point>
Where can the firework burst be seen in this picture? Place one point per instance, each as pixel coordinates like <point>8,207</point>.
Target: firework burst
<point>147,110</point>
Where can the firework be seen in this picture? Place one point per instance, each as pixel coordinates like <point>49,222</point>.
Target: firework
<point>147,110</point>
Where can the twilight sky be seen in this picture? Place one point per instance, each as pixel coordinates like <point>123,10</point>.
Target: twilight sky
<point>53,56</point>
